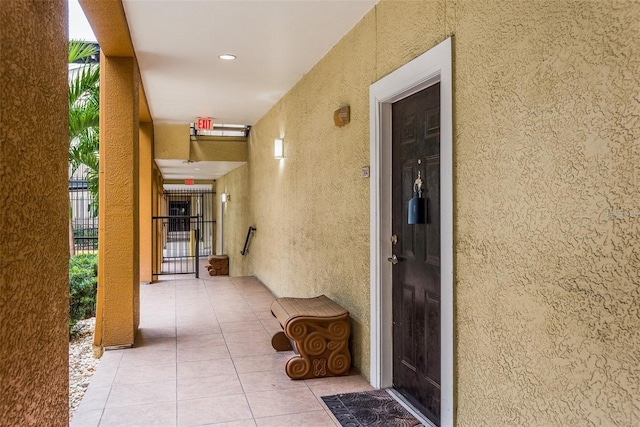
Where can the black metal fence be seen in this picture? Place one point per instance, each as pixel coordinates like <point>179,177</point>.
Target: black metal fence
<point>180,238</point>
<point>83,214</point>
<point>185,233</point>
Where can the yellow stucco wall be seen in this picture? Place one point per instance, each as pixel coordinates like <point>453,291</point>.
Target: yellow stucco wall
<point>156,210</point>
<point>34,220</point>
<point>171,141</point>
<point>118,298</point>
<point>311,209</point>
<point>547,159</point>
<point>145,193</point>
<point>236,218</point>
<point>546,210</point>
<point>219,150</point>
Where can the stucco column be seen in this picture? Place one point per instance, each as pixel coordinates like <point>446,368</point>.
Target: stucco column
<point>156,209</point>
<point>118,302</point>
<point>34,220</point>
<point>146,171</point>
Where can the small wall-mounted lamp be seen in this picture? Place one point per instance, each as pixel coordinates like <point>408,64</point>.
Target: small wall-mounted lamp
<point>342,116</point>
<point>224,198</point>
<point>278,148</point>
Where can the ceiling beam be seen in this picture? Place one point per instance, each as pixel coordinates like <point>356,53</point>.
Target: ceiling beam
<point>109,24</point>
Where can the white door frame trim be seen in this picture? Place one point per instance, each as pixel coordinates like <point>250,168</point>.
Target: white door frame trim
<point>429,68</point>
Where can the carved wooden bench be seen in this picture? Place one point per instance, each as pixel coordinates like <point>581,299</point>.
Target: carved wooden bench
<point>318,330</point>
<point>218,265</point>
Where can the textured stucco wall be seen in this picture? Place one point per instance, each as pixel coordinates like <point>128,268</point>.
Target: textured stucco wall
<point>547,211</point>
<point>216,150</point>
<point>118,299</point>
<point>170,141</point>
<point>145,192</point>
<point>34,220</point>
<point>156,209</point>
<point>311,209</point>
<point>236,218</point>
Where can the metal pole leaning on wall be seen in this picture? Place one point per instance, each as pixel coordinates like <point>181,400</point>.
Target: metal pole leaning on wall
<point>250,232</point>
<point>198,248</point>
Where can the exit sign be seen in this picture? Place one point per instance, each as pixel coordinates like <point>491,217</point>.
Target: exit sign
<point>204,123</point>
<point>188,181</point>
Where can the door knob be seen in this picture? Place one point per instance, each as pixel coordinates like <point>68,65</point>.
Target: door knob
<point>393,260</point>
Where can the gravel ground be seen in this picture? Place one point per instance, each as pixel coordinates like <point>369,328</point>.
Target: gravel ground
<point>81,362</point>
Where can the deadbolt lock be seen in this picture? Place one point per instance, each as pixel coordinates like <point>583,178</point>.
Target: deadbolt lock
<point>394,239</point>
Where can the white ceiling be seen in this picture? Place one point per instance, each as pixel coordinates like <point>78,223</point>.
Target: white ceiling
<point>177,44</point>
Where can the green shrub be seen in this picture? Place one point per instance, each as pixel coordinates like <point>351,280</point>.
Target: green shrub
<point>83,284</point>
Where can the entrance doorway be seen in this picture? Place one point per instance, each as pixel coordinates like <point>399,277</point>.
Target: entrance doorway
<point>416,354</point>
<point>416,249</point>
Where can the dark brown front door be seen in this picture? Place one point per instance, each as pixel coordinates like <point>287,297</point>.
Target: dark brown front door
<point>416,275</point>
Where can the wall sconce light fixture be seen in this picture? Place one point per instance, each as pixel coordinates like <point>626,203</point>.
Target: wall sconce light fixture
<point>342,116</point>
<point>224,198</point>
<point>278,148</point>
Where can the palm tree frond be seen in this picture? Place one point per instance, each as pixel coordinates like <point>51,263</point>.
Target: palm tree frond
<point>84,115</point>
<point>85,83</point>
<point>79,50</point>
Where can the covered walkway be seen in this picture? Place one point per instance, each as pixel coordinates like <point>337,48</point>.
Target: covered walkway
<point>203,356</point>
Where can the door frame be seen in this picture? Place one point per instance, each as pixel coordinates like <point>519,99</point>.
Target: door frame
<point>429,68</point>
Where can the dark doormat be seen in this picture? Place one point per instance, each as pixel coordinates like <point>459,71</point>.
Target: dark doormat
<point>375,408</point>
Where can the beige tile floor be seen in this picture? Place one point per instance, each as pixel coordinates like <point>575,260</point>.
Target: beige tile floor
<point>203,357</point>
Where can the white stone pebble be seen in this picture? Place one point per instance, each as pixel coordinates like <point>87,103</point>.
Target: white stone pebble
<point>82,364</point>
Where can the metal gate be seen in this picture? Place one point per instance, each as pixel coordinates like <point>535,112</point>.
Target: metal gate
<point>185,233</point>
<point>83,212</point>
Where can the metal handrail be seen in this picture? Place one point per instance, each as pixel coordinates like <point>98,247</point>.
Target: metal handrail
<point>246,241</point>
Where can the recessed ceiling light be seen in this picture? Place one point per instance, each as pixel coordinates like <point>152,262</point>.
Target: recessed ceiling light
<point>227,57</point>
